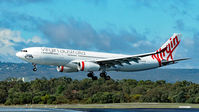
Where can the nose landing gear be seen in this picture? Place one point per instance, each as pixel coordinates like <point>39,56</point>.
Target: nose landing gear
<point>35,67</point>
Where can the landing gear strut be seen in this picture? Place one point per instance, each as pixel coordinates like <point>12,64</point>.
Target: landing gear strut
<point>91,74</point>
<point>105,76</point>
<point>35,67</point>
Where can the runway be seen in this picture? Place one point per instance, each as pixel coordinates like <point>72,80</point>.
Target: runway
<point>93,110</point>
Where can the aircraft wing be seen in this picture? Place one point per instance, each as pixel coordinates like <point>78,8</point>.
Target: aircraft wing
<point>119,60</point>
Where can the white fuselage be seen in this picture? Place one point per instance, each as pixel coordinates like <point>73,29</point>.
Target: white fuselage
<point>66,57</point>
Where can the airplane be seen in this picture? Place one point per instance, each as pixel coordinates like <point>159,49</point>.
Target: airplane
<point>68,60</point>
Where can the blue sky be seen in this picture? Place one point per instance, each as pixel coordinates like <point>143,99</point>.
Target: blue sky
<point>119,26</point>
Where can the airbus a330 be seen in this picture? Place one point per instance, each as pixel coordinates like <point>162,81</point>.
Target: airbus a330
<point>68,60</point>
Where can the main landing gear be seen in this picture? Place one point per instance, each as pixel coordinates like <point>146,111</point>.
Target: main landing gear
<point>91,74</point>
<point>103,75</point>
<point>35,67</point>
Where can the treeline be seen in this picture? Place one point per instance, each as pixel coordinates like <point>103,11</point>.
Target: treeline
<point>64,90</point>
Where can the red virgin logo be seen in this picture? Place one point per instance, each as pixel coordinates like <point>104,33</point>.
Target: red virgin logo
<point>168,53</point>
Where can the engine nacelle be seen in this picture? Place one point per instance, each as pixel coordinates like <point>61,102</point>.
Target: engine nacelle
<point>66,69</point>
<point>88,66</point>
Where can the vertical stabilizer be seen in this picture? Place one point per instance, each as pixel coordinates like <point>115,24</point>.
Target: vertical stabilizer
<point>171,44</point>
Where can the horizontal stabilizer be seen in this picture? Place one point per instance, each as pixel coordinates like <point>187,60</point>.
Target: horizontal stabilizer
<point>164,62</point>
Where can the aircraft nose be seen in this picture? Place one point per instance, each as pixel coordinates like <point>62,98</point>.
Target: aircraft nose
<point>18,54</point>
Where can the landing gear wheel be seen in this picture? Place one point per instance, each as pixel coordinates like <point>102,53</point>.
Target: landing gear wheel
<point>90,74</point>
<point>94,78</point>
<point>107,78</point>
<point>34,69</point>
<point>102,74</point>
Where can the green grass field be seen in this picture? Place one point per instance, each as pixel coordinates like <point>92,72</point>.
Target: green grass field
<point>117,105</point>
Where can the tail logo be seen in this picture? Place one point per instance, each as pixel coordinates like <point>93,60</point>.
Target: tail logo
<point>168,53</point>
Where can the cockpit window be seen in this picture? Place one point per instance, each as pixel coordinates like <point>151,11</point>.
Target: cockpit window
<point>24,51</point>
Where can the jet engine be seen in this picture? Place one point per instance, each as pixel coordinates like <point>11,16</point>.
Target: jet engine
<point>88,66</point>
<point>66,69</point>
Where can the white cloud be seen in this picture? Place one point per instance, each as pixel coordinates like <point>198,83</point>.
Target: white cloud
<point>141,43</point>
<point>9,38</point>
<point>36,39</point>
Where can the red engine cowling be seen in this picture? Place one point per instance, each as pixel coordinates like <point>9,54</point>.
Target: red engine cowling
<point>88,66</point>
<point>66,69</point>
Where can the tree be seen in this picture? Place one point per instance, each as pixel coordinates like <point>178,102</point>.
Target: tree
<point>65,90</point>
